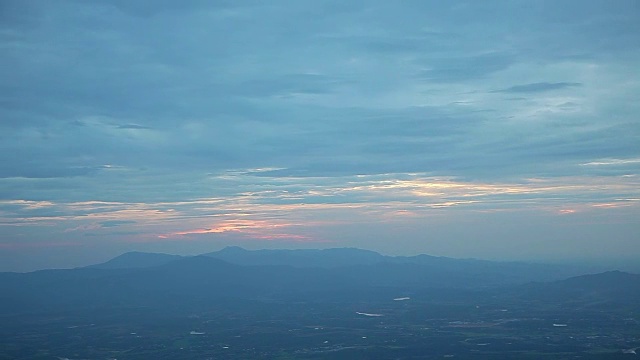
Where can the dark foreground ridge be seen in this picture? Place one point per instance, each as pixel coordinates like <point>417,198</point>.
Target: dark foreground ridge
<point>317,304</point>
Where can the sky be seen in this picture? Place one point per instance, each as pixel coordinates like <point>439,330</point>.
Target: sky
<point>505,130</point>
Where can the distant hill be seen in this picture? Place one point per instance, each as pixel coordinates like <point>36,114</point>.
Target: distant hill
<point>620,286</point>
<point>607,281</point>
<point>136,259</point>
<point>611,288</point>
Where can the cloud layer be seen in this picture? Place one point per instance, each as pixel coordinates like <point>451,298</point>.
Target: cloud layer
<point>151,123</point>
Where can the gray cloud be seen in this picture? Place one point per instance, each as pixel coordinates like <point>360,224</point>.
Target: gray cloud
<point>116,223</point>
<point>265,109</point>
<point>133,126</point>
<point>538,87</point>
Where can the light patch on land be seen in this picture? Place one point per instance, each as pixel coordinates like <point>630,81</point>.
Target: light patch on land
<point>367,314</point>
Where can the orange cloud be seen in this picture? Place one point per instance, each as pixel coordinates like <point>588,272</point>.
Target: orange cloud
<point>254,229</point>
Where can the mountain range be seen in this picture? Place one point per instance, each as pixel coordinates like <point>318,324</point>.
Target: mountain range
<point>494,272</point>
<point>170,281</point>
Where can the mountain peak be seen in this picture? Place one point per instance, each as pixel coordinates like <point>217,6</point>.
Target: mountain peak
<point>233,249</point>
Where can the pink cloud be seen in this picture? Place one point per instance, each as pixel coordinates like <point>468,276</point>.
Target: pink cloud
<point>251,229</point>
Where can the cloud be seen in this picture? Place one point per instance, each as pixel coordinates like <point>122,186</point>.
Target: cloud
<point>260,203</point>
<point>538,87</point>
<point>115,223</point>
<point>38,171</point>
<point>330,108</point>
<point>133,126</point>
<point>612,162</point>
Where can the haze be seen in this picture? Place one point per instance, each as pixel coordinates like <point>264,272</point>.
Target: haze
<point>504,130</point>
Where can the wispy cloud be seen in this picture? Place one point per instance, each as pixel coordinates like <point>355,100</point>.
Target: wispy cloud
<point>294,208</point>
<point>133,126</point>
<point>612,162</point>
<point>538,87</point>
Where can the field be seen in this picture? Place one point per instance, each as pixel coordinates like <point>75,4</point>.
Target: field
<point>464,325</point>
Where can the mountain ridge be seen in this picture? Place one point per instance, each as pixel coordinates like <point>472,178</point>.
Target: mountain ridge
<point>200,281</point>
<point>334,258</point>
<point>136,259</point>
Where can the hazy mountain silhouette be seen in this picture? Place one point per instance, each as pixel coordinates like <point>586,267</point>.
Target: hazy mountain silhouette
<point>611,288</point>
<point>606,281</point>
<point>368,267</point>
<point>161,280</point>
<point>500,272</point>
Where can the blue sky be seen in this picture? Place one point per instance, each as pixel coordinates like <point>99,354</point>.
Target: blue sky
<point>491,129</point>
